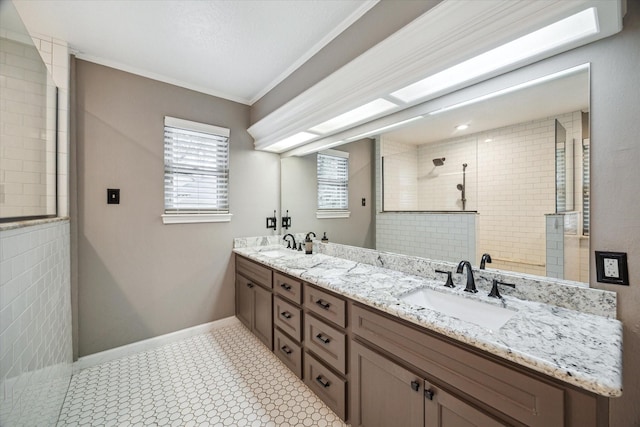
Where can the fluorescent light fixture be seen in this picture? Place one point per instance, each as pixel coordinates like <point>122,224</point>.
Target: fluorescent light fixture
<point>462,127</point>
<point>312,148</point>
<point>563,32</point>
<point>363,112</point>
<point>384,128</point>
<point>515,88</point>
<point>292,141</point>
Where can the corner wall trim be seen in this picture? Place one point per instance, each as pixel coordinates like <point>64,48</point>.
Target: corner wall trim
<point>151,343</point>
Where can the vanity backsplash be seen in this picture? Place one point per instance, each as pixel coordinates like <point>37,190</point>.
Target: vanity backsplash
<point>561,293</point>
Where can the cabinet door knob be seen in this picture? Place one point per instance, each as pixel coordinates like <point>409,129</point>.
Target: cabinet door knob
<point>285,286</point>
<point>250,285</point>
<point>323,339</point>
<point>415,385</point>
<point>323,304</point>
<point>429,394</point>
<point>286,315</point>
<point>286,349</point>
<point>324,383</point>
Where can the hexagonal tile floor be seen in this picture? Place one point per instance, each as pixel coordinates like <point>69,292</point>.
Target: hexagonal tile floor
<point>222,378</point>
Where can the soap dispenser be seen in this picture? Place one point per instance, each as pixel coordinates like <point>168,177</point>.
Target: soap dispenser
<point>325,239</point>
<point>308,243</point>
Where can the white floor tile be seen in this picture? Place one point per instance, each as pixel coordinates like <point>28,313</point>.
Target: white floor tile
<point>222,378</point>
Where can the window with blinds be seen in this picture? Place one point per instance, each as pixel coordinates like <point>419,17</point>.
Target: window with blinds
<point>196,168</point>
<point>333,180</point>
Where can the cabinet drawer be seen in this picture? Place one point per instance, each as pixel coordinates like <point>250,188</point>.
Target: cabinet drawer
<point>327,385</point>
<point>527,399</point>
<point>287,287</point>
<point>326,342</point>
<point>288,351</point>
<point>256,272</point>
<point>288,317</point>
<point>326,305</point>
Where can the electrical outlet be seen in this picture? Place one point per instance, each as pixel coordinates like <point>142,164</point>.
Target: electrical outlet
<point>611,267</point>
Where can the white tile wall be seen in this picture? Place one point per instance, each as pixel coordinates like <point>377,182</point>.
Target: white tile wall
<point>55,54</point>
<point>437,186</point>
<point>441,236</point>
<point>400,176</point>
<point>35,322</point>
<point>555,245</point>
<point>27,123</point>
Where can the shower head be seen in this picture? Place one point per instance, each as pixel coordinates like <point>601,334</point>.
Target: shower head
<point>439,161</point>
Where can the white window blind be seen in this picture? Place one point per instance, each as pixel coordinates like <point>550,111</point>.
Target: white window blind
<point>586,185</point>
<point>196,168</point>
<point>333,180</point>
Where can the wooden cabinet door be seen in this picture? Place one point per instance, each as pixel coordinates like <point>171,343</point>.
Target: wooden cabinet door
<point>383,393</point>
<point>244,300</point>
<point>263,315</point>
<point>445,410</point>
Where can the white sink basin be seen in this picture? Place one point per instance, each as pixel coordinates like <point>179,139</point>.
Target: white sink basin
<point>486,315</point>
<point>277,253</point>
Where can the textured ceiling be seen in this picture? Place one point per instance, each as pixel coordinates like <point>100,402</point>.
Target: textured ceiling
<point>238,50</point>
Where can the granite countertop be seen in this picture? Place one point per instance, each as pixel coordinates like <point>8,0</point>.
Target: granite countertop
<point>581,349</point>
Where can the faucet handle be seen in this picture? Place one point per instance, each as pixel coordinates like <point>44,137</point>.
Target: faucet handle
<point>449,283</point>
<point>495,293</point>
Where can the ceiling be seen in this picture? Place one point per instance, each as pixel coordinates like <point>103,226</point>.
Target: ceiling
<point>562,95</point>
<point>237,50</point>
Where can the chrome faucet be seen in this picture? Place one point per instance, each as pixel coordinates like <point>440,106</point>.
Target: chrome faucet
<point>471,284</point>
<point>485,258</point>
<point>293,240</point>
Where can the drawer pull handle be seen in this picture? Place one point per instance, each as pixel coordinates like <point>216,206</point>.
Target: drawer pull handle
<point>415,385</point>
<point>324,383</point>
<point>285,286</point>
<point>323,339</point>
<point>323,304</point>
<point>286,315</point>
<point>250,285</point>
<point>286,349</point>
<point>429,394</point>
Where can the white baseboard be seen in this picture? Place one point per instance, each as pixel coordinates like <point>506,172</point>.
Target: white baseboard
<point>151,343</point>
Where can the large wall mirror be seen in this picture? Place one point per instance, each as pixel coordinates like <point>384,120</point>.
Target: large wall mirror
<point>506,173</point>
<point>28,125</point>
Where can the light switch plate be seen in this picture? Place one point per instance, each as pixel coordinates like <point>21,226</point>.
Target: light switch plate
<point>611,267</point>
<point>113,196</point>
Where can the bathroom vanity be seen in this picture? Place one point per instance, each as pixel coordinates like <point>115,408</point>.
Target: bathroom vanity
<point>378,359</point>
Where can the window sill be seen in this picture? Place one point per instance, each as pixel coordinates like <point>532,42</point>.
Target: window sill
<point>332,214</point>
<point>195,218</point>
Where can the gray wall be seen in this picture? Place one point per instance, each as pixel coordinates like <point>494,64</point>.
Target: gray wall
<point>299,196</point>
<point>615,213</point>
<point>138,278</point>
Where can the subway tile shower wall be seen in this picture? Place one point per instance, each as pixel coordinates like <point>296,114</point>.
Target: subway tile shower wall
<point>35,323</point>
<point>510,181</point>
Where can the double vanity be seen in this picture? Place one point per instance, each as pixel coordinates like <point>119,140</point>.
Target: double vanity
<point>384,346</point>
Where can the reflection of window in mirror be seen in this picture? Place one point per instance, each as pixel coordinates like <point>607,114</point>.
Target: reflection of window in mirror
<point>333,181</point>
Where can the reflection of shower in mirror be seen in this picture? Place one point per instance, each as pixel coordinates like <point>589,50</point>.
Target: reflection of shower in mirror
<point>462,186</point>
<point>439,161</point>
